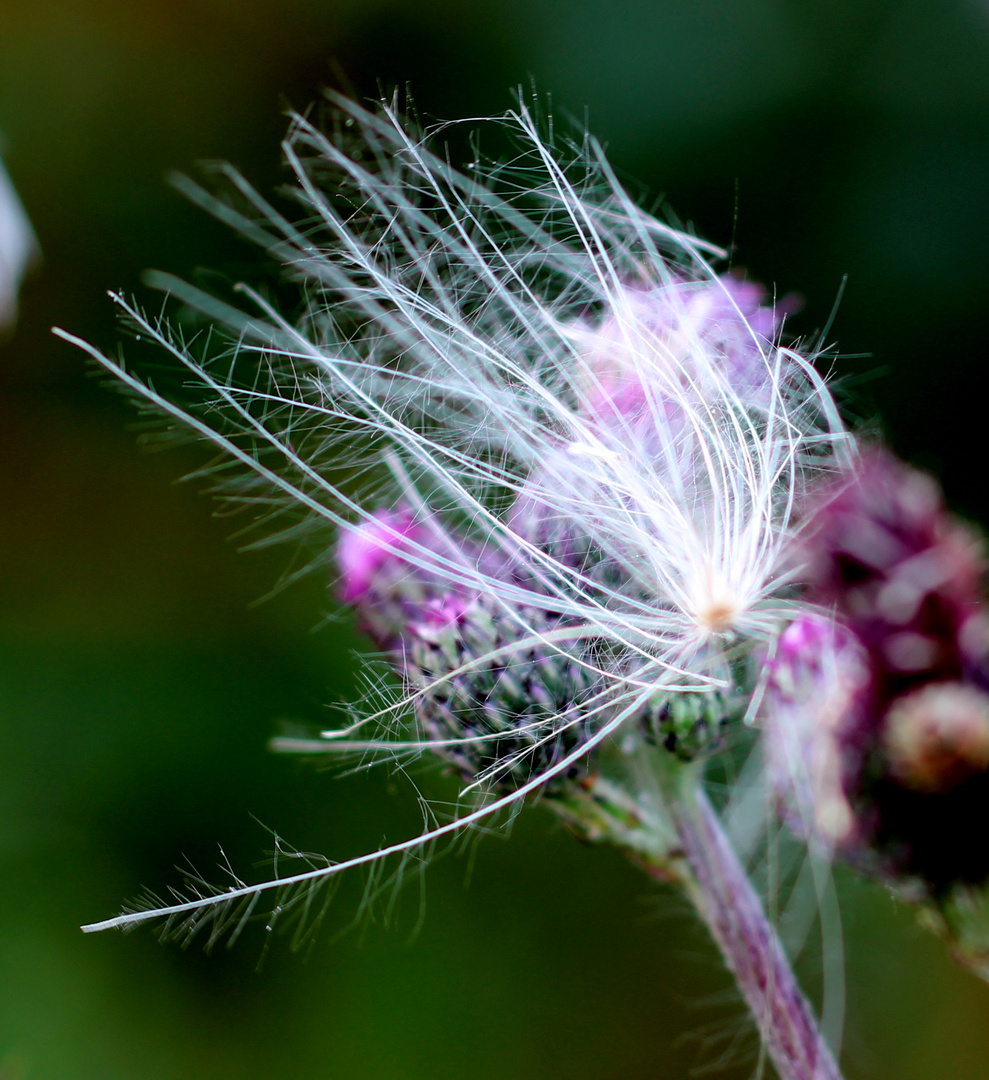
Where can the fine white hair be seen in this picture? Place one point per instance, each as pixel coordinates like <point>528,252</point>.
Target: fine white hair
<point>462,337</point>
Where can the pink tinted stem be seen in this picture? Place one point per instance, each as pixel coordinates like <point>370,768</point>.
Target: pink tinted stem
<point>733,912</point>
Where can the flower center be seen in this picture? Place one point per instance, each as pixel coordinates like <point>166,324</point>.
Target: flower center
<point>718,616</point>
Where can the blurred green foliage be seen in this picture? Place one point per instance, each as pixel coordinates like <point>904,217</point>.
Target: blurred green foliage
<point>140,681</point>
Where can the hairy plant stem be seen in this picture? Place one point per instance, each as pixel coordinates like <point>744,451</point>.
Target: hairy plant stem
<point>684,843</point>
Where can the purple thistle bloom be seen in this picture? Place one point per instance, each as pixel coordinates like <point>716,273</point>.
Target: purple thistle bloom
<point>878,718</point>
<point>724,316</point>
<point>383,580</point>
<point>363,554</point>
<point>903,574</point>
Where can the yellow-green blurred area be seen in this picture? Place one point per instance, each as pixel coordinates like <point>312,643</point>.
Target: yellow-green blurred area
<point>139,678</point>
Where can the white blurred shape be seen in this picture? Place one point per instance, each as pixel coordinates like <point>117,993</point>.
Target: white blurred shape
<point>18,249</point>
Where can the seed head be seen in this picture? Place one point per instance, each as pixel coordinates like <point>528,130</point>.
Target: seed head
<point>588,446</point>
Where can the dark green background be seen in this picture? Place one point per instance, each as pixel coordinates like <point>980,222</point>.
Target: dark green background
<point>139,682</point>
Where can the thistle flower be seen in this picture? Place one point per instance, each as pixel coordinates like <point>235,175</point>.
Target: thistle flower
<point>877,718</point>
<point>489,695</point>
<point>584,449</point>
<point>389,592</point>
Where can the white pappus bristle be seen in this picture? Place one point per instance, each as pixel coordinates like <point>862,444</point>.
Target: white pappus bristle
<point>510,344</point>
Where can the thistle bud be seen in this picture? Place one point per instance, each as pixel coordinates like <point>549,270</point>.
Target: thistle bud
<point>491,695</point>
<point>498,701</point>
<point>688,725</point>
<point>817,687</point>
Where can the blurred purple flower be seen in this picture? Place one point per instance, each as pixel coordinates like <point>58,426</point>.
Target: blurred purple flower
<point>877,717</point>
